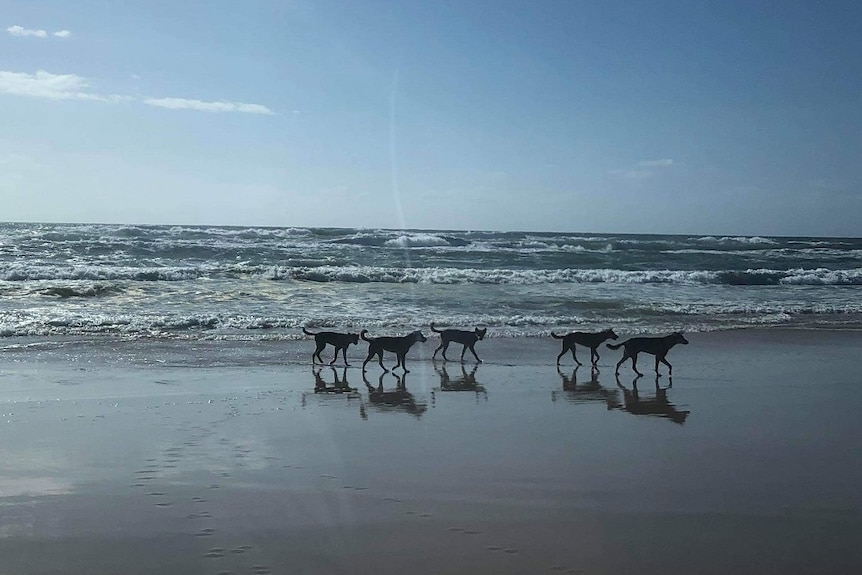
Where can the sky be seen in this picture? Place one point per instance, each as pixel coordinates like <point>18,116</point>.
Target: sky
<point>691,117</point>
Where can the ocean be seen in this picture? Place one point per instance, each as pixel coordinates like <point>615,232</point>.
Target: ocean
<point>260,283</point>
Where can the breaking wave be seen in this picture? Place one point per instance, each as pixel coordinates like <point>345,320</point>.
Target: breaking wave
<point>740,240</point>
<point>433,275</point>
<point>360,274</point>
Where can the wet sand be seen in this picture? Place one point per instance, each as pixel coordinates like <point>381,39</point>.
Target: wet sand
<point>233,458</point>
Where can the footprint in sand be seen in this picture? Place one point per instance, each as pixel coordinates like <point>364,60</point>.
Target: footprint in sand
<point>497,548</point>
<point>205,532</point>
<point>215,552</point>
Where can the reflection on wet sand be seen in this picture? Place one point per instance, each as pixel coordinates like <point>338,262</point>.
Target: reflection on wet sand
<point>398,399</point>
<point>338,385</point>
<point>586,391</point>
<point>658,405</point>
<point>466,382</point>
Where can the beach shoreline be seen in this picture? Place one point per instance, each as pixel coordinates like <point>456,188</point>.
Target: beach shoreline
<point>238,457</point>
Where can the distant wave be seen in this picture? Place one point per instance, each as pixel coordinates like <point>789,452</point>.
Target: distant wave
<point>87,290</point>
<point>17,272</point>
<point>360,274</point>
<point>417,240</point>
<point>437,275</point>
<point>403,240</point>
<point>753,240</point>
<point>690,317</point>
<point>606,249</point>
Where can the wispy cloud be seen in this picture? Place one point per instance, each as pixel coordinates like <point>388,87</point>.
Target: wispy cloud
<point>22,32</point>
<point>643,169</point>
<point>19,162</point>
<point>43,84</point>
<point>202,106</point>
<point>662,163</point>
<point>50,86</point>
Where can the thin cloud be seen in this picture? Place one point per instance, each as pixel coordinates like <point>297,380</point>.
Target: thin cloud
<point>662,163</point>
<point>22,32</point>
<point>15,161</point>
<point>643,169</point>
<point>50,86</point>
<point>201,106</point>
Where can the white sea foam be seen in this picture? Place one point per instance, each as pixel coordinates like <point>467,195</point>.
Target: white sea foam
<point>366,274</point>
<point>823,276</point>
<point>433,275</point>
<point>752,240</point>
<point>417,240</point>
<point>578,248</point>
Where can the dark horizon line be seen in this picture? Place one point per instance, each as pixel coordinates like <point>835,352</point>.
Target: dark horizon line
<point>453,230</point>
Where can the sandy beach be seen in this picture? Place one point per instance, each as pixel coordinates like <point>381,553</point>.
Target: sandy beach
<point>224,457</point>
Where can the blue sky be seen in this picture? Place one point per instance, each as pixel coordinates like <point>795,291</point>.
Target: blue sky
<point>666,117</point>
